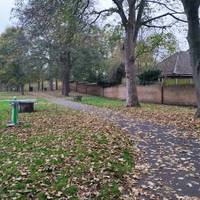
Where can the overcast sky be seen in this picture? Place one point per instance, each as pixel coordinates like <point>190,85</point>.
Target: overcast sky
<point>5,9</point>
<point>7,5</point>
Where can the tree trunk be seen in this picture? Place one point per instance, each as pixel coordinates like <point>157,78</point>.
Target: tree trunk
<point>51,85</point>
<point>66,69</point>
<point>66,81</point>
<point>22,89</point>
<point>38,86</point>
<point>30,88</point>
<point>191,10</point>
<point>18,88</point>
<point>56,84</point>
<point>42,86</point>
<point>65,86</point>
<point>129,50</point>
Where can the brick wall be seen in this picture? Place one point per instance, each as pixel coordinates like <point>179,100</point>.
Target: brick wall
<point>95,90</point>
<point>81,88</point>
<point>73,86</point>
<point>180,95</point>
<point>173,95</point>
<point>150,94</point>
<point>117,92</point>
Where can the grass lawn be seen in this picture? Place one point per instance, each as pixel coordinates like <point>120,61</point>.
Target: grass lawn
<point>5,107</point>
<point>101,102</point>
<point>4,112</point>
<point>180,117</point>
<point>60,154</point>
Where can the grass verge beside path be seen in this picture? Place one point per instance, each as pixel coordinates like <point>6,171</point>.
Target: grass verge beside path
<point>180,117</point>
<point>102,102</point>
<point>61,154</point>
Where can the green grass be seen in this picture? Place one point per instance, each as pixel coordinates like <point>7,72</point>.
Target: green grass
<point>56,152</point>
<point>5,107</point>
<point>4,111</point>
<point>101,101</point>
<point>115,103</point>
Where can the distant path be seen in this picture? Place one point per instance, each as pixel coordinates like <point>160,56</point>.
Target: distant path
<point>173,161</point>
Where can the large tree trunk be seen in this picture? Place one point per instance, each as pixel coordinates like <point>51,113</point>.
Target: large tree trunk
<point>129,50</point>
<point>22,89</point>
<point>191,9</point>
<point>42,85</point>
<point>38,86</point>
<point>51,85</point>
<point>18,88</point>
<point>65,87</point>
<point>66,69</point>
<point>56,84</point>
<point>30,87</point>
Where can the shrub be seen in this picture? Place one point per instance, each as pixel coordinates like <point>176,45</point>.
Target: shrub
<point>114,77</point>
<point>149,77</point>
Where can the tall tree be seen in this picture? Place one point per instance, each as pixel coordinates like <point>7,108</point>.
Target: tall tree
<point>57,22</point>
<point>153,48</point>
<point>134,14</point>
<point>191,8</point>
<point>13,53</point>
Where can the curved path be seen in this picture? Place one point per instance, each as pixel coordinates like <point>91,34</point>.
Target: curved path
<point>170,162</point>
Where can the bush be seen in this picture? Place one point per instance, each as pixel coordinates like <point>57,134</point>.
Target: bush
<point>106,83</point>
<point>114,77</point>
<point>149,77</point>
<point>117,73</point>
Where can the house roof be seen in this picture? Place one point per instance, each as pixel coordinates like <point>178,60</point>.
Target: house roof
<point>176,65</point>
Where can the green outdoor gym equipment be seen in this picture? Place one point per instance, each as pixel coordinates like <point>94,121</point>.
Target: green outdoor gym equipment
<point>14,112</point>
<point>15,109</point>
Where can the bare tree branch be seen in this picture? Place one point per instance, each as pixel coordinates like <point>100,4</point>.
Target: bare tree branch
<point>119,4</point>
<point>99,13</point>
<point>139,17</point>
<point>167,7</point>
<point>157,26</point>
<point>85,8</point>
<point>161,16</point>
